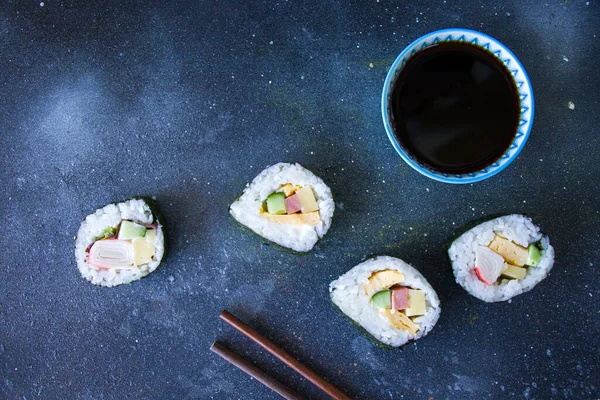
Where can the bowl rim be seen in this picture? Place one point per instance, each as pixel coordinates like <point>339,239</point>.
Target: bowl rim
<point>455,178</point>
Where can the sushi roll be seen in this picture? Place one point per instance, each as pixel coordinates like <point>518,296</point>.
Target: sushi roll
<point>119,243</point>
<point>501,258</point>
<point>286,204</point>
<point>388,298</point>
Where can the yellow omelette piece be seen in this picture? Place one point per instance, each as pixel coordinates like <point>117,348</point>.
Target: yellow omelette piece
<point>399,320</point>
<point>381,280</point>
<point>289,189</point>
<point>511,252</point>
<point>311,218</point>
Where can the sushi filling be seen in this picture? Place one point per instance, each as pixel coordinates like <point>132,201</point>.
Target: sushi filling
<point>125,246</point>
<point>398,304</point>
<point>292,204</point>
<point>505,258</point>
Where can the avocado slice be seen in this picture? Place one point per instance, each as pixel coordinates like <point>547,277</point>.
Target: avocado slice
<point>533,255</point>
<point>108,233</point>
<point>131,230</point>
<point>382,299</point>
<point>276,203</point>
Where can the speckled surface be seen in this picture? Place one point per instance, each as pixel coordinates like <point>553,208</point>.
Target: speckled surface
<point>189,102</point>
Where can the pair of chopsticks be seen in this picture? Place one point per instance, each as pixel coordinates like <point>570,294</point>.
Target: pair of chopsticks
<point>278,352</point>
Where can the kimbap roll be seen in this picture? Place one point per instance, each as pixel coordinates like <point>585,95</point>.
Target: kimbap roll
<point>501,258</point>
<point>286,204</point>
<point>119,243</point>
<point>387,297</point>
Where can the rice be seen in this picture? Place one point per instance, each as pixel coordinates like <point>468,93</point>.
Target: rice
<point>517,228</point>
<point>94,226</point>
<point>300,238</point>
<point>348,295</point>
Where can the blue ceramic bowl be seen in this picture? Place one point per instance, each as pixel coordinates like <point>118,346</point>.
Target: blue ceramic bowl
<point>505,56</point>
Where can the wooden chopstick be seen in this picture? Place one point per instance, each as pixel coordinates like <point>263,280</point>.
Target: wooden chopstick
<point>278,352</point>
<point>254,372</point>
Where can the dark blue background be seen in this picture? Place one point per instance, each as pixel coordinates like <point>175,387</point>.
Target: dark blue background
<point>188,102</point>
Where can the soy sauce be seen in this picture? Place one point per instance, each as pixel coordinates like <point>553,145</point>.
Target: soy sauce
<point>455,108</point>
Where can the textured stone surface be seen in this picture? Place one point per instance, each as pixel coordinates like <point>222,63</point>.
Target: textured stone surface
<point>188,103</point>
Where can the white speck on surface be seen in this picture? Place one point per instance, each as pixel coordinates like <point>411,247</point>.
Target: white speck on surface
<point>42,4</point>
<point>571,105</point>
<point>466,384</point>
<point>171,278</point>
<point>565,58</point>
<point>271,42</point>
<point>363,350</point>
<point>549,352</point>
<point>508,14</point>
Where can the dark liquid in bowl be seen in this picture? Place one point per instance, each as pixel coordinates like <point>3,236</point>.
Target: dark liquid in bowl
<point>455,108</point>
